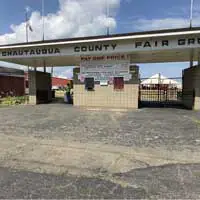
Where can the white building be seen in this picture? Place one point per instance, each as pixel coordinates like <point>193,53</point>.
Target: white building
<point>159,79</point>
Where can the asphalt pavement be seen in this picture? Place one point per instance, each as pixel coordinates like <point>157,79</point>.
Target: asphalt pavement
<point>25,130</point>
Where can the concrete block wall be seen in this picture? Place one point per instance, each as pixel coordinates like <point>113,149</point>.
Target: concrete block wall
<point>32,87</point>
<point>106,96</point>
<point>191,88</point>
<point>188,98</point>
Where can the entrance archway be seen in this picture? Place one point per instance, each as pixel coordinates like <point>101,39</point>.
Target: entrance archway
<point>176,45</point>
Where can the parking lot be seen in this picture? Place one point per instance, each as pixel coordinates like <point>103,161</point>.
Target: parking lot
<point>145,153</point>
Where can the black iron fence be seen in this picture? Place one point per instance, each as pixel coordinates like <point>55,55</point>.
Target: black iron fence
<point>161,90</point>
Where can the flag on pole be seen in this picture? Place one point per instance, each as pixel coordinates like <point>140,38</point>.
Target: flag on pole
<point>29,26</point>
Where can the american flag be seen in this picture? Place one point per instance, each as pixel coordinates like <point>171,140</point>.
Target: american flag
<point>29,26</point>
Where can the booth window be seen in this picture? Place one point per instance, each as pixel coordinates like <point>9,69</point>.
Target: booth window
<point>89,84</point>
<point>118,83</point>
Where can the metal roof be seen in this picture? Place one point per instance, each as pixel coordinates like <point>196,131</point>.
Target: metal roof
<point>67,55</point>
<point>112,37</point>
<point>6,70</point>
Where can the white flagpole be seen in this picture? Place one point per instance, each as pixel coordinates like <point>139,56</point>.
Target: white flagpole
<point>44,63</point>
<point>26,18</point>
<point>191,18</point>
<point>43,20</point>
<point>191,12</point>
<point>107,15</point>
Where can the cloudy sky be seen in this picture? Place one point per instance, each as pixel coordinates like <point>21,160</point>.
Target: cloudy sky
<point>72,18</point>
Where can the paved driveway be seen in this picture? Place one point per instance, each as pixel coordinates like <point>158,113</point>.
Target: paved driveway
<point>148,153</point>
<point>172,128</point>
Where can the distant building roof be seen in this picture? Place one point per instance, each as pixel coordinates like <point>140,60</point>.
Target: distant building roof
<point>5,71</point>
<point>160,79</point>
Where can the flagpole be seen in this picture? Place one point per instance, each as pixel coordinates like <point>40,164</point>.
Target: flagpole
<point>191,18</point>
<point>43,20</point>
<point>44,62</point>
<point>191,12</point>
<point>26,18</point>
<point>107,15</point>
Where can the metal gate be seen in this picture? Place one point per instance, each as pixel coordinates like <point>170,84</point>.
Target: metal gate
<point>160,92</point>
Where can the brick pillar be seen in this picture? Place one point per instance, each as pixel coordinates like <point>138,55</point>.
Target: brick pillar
<point>133,94</point>
<point>32,87</point>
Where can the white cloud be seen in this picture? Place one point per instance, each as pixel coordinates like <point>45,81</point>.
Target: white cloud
<point>74,18</point>
<point>177,17</point>
<point>158,24</point>
<point>88,17</point>
<point>61,72</point>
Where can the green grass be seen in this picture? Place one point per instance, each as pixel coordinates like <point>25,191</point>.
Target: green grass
<point>8,101</point>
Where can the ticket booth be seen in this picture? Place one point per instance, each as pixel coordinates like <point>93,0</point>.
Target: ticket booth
<point>106,81</point>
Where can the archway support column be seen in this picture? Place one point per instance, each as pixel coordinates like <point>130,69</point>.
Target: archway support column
<point>191,87</point>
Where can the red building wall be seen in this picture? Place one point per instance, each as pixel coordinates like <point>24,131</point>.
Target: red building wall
<point>12,84</point>
<point>59,82</point>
